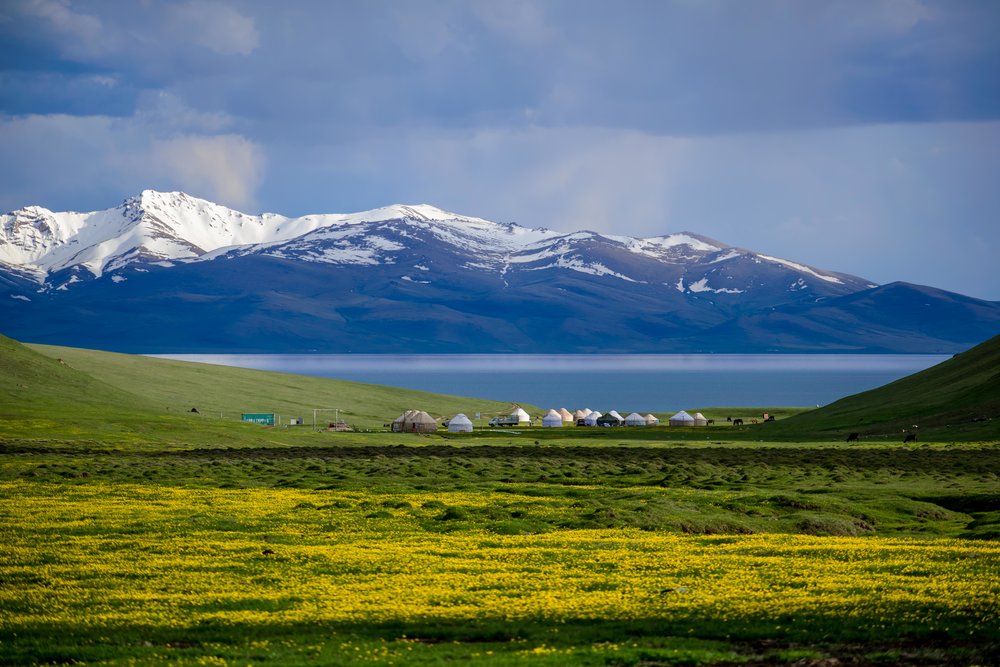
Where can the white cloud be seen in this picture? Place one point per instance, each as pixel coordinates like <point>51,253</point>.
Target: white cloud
<point>165,112</point>
<point>216,26</point>
<point>92,162</point>
<point>81,35</point>
<point>226,168</point>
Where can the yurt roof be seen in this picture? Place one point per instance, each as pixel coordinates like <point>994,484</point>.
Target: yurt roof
<point>650,416</point>
<point>565,414</point>
<point>614,413</point>
<point>553,413</point>
<point>698,415</point>
<point>403,417</point>
<point>460,419</point>
<point>580,414</point>
<point>421,417</point>
<point>635,415</point>
<point>682,417</point>
<point>521,415</point>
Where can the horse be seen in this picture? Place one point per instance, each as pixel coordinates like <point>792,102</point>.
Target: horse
<point>737,422</point>
<point>853,437</point>
<point>910,437</point>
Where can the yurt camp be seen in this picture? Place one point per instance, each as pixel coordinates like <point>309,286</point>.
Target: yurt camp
<point>414,421</point>
<point>460,424</point>
<point>682,419</point>
<point>635,419</point>
<point>552,419</point>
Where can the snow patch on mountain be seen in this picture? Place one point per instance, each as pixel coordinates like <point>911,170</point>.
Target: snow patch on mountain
<point>702,286</point>
<point>729,254</point>
<point>801,267</point>
<point>575,264</point>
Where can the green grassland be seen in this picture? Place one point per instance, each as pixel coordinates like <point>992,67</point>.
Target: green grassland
<point>955,400</point>
<point>72,395</point>
<point>134,531</point>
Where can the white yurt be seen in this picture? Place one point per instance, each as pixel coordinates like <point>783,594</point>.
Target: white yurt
<point>460,424</point>
<point>566,415</point>
<point>552,419</point>
<point>522,416</point>
<point>580,414</point>
<point>614,413</point>
<point>682,419</point>
<point>635,419</point>
<point>591,418</point>
<point>699,419</point>
<point>651,420</point>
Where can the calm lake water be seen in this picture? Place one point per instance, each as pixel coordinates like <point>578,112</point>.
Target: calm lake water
<point>645,383</point>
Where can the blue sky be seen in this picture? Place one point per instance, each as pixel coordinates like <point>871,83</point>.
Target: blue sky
<point>859,136</point>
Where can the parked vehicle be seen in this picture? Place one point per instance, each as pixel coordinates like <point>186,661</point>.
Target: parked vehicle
<point>505,420</point>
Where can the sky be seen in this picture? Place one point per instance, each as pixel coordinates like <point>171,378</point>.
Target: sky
<point>860,136</point>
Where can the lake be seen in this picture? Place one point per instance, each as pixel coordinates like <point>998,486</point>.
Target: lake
<point>642,382</point>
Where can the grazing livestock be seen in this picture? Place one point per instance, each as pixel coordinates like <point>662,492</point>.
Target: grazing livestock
<point>753,421</point>
<point>770,418</point>
<point>729,419</point>
<point>910,437</point>
<point>853,437</point>
<point>711,422</point>
<point>737,422</point>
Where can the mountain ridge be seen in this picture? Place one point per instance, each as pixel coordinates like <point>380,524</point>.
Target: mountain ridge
<point>165,272</point>
<point>156,226</point>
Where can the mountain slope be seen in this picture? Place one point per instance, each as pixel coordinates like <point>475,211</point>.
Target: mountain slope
<point>898,317</point>
<point>958,398</point>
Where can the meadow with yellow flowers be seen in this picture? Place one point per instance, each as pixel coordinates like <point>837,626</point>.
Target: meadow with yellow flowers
<point>512,555</point>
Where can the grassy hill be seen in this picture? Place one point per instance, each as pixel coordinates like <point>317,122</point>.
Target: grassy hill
<point>958,399</point>
<point>60,393</point>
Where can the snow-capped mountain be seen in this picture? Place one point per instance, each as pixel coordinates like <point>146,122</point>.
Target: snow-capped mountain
<point>170,272</point>
<point>154,227</point>
<point>160,228</point>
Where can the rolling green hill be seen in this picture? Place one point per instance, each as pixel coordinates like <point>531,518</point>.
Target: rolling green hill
<point>59,393</point>
<point>958,399</point>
